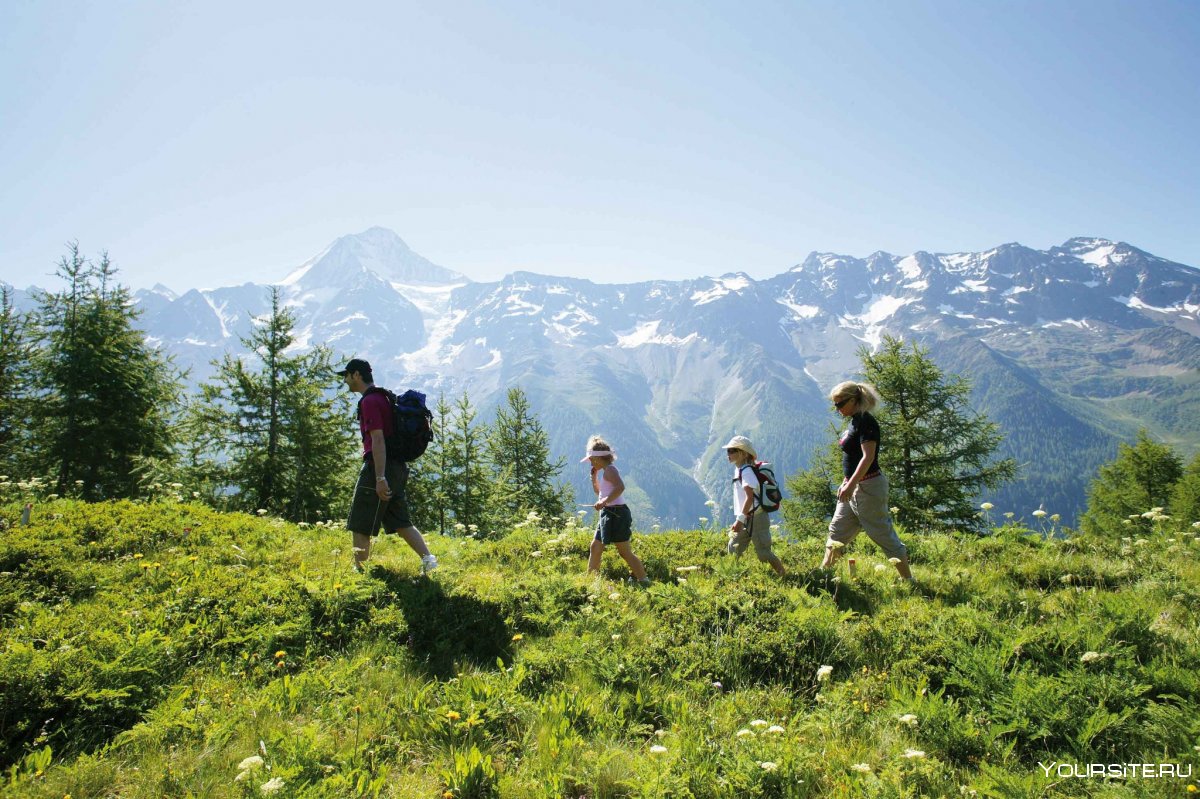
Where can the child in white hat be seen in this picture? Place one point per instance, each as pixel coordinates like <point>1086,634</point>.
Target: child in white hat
<point>616,522</point>
<point>751,523</point>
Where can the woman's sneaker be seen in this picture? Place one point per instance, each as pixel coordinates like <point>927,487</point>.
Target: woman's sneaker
<point>428,563</point>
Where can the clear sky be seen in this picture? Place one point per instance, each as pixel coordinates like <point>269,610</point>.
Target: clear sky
<point>211,143</point>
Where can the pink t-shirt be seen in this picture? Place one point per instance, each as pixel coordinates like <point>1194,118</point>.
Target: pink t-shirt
<point>606,487</point>
<point>375,413</point>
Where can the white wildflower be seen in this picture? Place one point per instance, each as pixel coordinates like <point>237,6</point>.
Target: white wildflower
<point>759,723</point>
<point>272,785</point>
<point>767,765</point>
<point>687,568</point>
<point>893,561</point>
<point>658,749</point>
<point>879,567</point>
<point>1088,657</point>
<point>261,511</point>
<point>909,719</point>
<point>913,754</point>
<point>1039,513</point>
<point>987,506</point>
<point>743,733</point>
<point>254,761</point>
<point>836,544</point>
<point>863,767</point>
<point>775,729</point>
<point>823,673</point>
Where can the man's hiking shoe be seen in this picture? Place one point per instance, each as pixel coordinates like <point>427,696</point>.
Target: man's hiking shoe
<point>644,582</point>
<point>428,563</point>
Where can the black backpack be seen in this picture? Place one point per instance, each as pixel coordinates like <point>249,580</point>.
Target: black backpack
<point>412,423</point>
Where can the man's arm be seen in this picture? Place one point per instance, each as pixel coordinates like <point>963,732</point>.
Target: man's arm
<point>379,457</point>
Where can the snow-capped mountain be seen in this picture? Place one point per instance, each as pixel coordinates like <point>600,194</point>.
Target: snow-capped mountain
<point>1069,349</point>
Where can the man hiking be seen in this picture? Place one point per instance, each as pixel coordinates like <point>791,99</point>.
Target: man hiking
<point>379,499</point>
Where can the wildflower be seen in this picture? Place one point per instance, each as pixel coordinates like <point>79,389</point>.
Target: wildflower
<point>660,733</point>
<point>195,495</point>
<point>614,596</point>
<point>1039,513</point>
<point>261,511</point>
<point>703,520</point>
<point>517,637</point>
<point>987,506</point>
<point>687,568</point>
<point>893,561</point>
<point>616,636</point>
<point>894,510</point>
<point>272,785</point>
<point>337,586</point>
<point>252,762</point>
<point>1054,517</point>
<point>681,580</point>
<point>1088,657</point>
<point>717,685</point>
<point>913,754</point>
<point>1196,525</point>
<point>1066,579</point>
<point>537,553</point>
<point>658,749</point>
<point>879,567</point>
<point>1009,514</point>
<point>453,715</point>
<point>743,733</point>
<point>863,767</point>
<point>177,486</point>
<point>1192,789</point>
<point>909,719</point>
<point>775,729</point>
<point>712,503</point>
<point>759,723</point>
<point>138,556</point>
<point>767,765</point>
<point>823,673</point>
<point>281,654</point>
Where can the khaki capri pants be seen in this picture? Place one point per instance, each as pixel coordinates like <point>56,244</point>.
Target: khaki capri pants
<point>756,530</point>
<point>867,510</point>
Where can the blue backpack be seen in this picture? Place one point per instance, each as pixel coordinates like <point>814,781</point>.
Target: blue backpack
<point>412,424</point>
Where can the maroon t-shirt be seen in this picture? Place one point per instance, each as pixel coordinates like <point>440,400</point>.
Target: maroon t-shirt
<point>375,413</point>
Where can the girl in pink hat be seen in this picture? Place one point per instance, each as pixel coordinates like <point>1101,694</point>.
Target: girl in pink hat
<point>616,522</point>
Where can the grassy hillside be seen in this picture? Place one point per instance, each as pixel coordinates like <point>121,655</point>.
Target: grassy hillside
<point>165,650</point>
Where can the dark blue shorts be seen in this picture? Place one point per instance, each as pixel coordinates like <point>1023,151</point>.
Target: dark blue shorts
<point>615,526</point>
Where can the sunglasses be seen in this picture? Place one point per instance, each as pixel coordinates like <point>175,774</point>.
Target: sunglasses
<point>839,405</point>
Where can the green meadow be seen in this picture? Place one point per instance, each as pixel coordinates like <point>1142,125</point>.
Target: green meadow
<point>163,649</point>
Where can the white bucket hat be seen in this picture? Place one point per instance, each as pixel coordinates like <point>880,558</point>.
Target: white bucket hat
<point>742,443</point>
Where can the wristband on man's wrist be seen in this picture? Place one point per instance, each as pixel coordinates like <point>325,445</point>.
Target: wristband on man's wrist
<point>381,479</point>
<point>741,517</point>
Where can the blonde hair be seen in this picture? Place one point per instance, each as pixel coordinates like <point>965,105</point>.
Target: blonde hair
<point>865,395</point>
<point>598,443</point>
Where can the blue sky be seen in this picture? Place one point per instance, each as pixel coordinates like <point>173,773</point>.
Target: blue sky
<point>211,143</point>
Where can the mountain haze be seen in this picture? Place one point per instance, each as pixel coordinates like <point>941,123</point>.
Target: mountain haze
<point>1069,349</point>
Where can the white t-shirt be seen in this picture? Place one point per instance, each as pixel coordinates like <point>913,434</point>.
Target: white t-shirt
<point>744,476</point>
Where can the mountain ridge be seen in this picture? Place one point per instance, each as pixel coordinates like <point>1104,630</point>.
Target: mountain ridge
<point>1093,337</point>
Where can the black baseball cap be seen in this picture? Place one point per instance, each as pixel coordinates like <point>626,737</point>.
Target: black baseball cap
<point>355,365</point>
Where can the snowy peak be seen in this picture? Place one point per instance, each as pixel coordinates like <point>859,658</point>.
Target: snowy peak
<point>378,251</point>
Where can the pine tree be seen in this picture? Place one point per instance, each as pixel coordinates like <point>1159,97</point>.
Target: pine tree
<point>937,454</point>
<point>811,494</point>
<point>103,394</point>
<point>467,471</point>
<point>1138,480</point>
<point>1185,496</point>
<point>524,475</point>
<point>428,500</point>
<point>16,409</point>
<point>276,437</point>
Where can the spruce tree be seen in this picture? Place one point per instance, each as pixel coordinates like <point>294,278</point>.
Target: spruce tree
<point>1185,496</point>
<point>936,452</point>
<point>524,474</point>
<point>428,500</point>
<point>466,475</point>
<point>274,432</point>
<point>16,353</point>
<point>1139,479</point>
<point>103,394</point>
<point>811,494</point>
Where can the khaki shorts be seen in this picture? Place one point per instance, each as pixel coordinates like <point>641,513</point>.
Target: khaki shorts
<point>368,512</point>
<point>868,511</point>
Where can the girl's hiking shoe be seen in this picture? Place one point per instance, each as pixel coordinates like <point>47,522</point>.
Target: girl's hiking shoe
<point>428,563</point>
